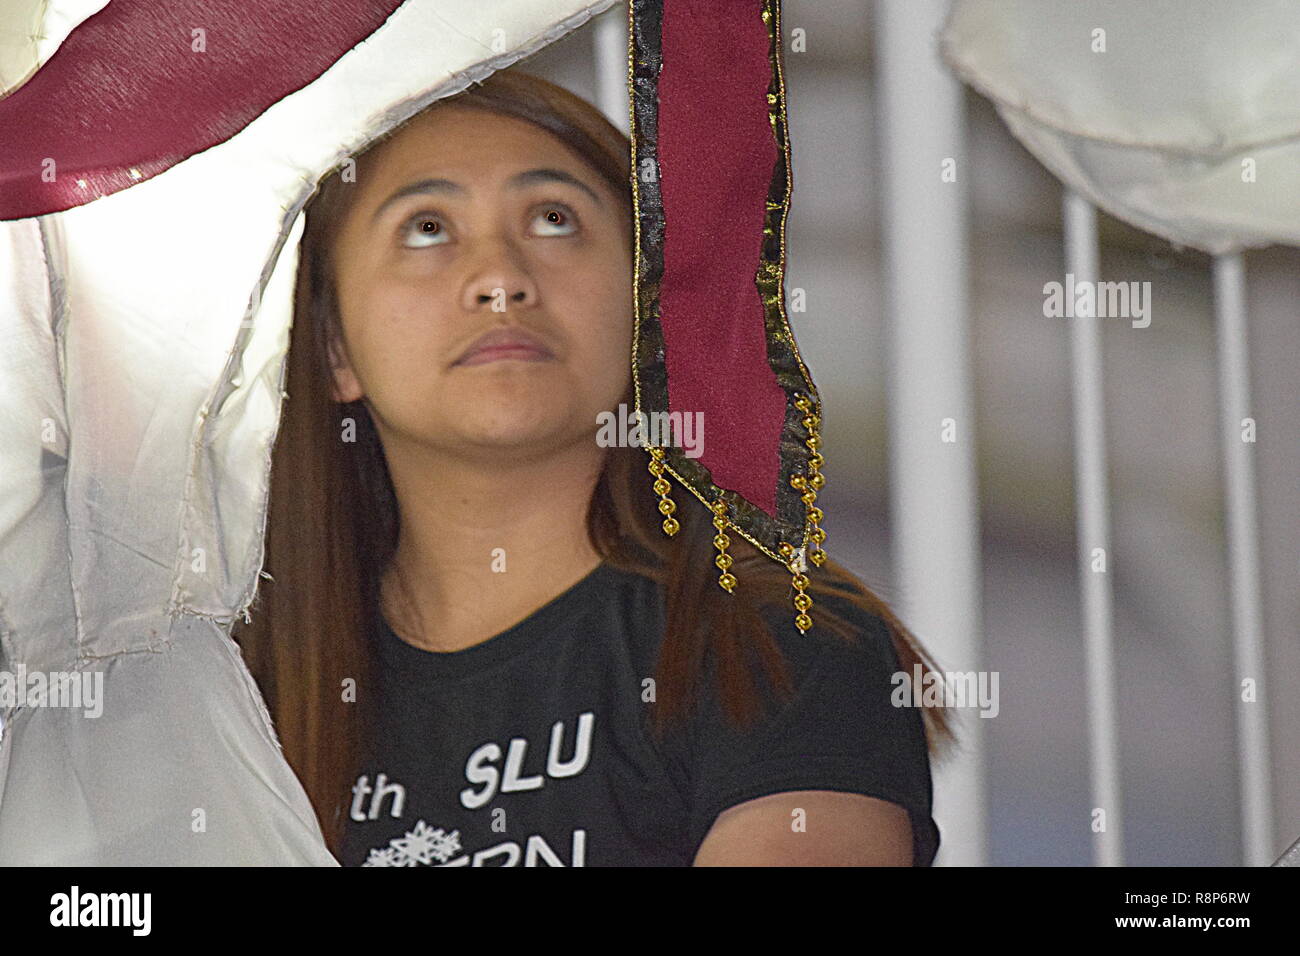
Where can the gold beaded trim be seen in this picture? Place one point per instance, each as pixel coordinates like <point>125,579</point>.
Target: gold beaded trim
<point>795,560</point>
<point>814,482</point>
<point>727,580</point>
<point>802,601</point>
<point>666,505</point>
<point>657,466</point>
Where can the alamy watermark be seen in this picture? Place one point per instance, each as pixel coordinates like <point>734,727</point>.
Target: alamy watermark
<point>946,689</point>
<point>1103,300</point>
<point>130,910</point>
<point>656,429</point>
<point>24,688</point>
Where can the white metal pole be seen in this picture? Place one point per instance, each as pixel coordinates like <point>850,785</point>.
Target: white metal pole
<point>924,168</point>
<point>610,40</point>
<point>1092,502</point>
<point>1251,708</point>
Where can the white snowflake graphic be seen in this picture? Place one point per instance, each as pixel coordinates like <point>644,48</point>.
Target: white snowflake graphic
<point>446,845</point>
<point>385,857</point>
<point>419,847</point>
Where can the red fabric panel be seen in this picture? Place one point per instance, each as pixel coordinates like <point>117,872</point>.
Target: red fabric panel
<point>717,155</point>
<point>126,89</point>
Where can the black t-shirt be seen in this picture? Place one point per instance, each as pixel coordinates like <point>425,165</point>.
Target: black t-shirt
<point>533,748</point>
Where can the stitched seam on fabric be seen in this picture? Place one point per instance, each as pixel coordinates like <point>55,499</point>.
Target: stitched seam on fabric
<point>56,284</point>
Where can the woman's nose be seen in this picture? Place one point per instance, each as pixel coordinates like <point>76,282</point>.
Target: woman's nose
<point>499,285</point>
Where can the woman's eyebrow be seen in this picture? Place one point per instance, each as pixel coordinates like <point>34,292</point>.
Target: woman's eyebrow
<point>526,178</point>
<point>427,186</point>
<point>531,176</point>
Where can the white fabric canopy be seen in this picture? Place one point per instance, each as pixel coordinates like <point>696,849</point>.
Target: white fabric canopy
<point>1181,117</point>
<point>142,347</point>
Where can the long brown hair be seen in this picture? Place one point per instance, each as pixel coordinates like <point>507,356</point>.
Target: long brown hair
<point>333,522</point>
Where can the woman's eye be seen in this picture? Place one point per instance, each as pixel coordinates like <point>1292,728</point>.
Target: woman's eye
<point>556,221</point>
<point>423,230</point>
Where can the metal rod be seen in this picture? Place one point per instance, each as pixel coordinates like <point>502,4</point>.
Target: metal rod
<point>1251,711</point>
<point>1092,502</point>
<point>925,171</point>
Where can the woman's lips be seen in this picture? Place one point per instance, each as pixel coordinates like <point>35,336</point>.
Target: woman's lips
<point>496,353</point>
<point>502,344</point>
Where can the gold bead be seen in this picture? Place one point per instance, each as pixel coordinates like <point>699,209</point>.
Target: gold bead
<point>802,403</point>
<point>786,550</point>
<point>799,482</point>
<point>818,482</point>
<point>813,442</point>
<point>727,580</point>
<point>802,601</point>
<point>661,487</point>
<point>800,581</point>
<point>815,515</point>
<point>818,536</point>
<point>803,622</point>
<point>818,558</point>
<point>816,461</point>
<point>808,497</point>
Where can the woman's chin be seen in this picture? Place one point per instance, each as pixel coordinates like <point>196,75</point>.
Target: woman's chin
<point>514,408</point>
<point>534,428</point>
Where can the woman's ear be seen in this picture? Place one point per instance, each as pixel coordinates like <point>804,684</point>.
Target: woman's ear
<point>346,387</point>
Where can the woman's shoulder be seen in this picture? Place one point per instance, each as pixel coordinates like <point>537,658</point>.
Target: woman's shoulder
<point>846,632</point>
<point>838,726</point>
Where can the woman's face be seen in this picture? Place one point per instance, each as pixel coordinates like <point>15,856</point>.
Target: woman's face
<point>465,223</point>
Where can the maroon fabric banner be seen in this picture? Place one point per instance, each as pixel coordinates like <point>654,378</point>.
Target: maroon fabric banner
<point>129,89</point>
<point>716,159</point>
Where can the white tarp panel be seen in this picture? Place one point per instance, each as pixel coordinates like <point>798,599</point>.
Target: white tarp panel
<point>1181,117</point>
<point>142,345</point>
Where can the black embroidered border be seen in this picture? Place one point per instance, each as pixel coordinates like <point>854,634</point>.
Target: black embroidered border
<point>648,366</point>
